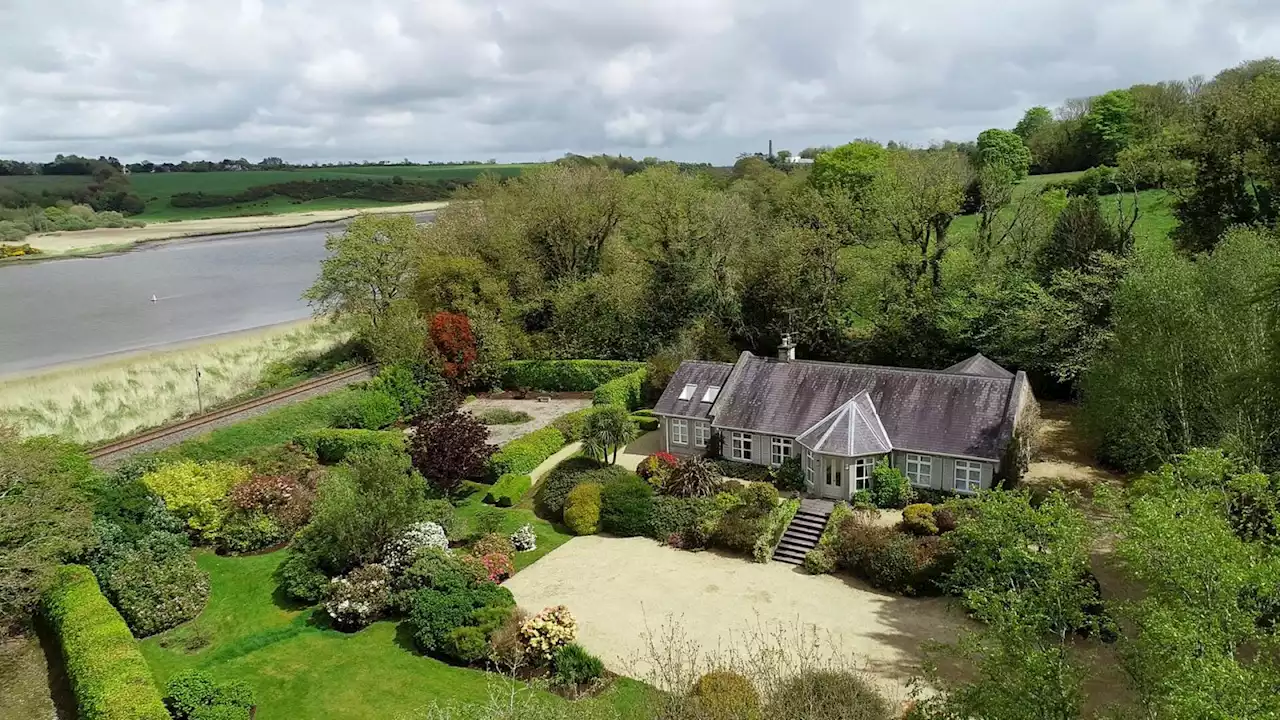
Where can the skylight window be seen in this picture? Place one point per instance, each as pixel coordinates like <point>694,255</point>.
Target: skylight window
<point>711,394</point>
<point>688,391</point>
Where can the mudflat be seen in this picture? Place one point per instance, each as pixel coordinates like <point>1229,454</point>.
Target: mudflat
<point>59,243</point>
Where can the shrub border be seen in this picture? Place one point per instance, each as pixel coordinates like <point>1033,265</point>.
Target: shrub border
<point>109,677</point>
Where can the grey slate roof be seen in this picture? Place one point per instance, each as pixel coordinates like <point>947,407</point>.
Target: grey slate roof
<point>979,365</point>
<point>926,410</point>
<point>853,429</point>
<point>700,373</point>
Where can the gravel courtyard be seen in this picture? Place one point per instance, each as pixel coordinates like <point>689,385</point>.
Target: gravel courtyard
<point>618,587</point>
<point>544,413</point>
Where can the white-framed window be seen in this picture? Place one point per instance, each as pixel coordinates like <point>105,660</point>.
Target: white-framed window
<point>680,432</point>
<point>688,391</point>
<point>713,392</point>
<point>740,446</point>
<point>808,468</point>
<point>701,434</point>
<point>968,476</point>
<point>779,450</point>
<point>920,470</point>
<point>862,473</point>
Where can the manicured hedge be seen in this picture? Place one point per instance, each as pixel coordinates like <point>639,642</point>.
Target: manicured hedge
<point>332,445</point>
<point>522,455</point>
<point>508,490</point>
<point>646,423</point>
<point>572,424</point>
<point>742,470</point>
<point>109,677</point>
<point>626,391</point>
<point>564,375</point>
<point>771,534</point>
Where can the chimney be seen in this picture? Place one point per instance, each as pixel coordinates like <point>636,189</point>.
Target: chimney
<point>787,350</point>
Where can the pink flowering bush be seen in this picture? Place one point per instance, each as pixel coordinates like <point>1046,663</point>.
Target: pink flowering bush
<point>548,631</point>
<point>358,598</point>
<point>497,566</point>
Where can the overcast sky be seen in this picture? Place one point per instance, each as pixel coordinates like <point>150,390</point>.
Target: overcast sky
<point>531,79</point>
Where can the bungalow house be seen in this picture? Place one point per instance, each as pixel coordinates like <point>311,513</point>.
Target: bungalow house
<point>954,430</point>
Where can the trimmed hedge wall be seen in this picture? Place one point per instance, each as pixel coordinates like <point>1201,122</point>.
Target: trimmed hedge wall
<point>508,490</point>
<point>109,677</point>
<point>572,424</point>
<point>626,391</point>
<point>522,455</point>
<point>564,375</point>
<point>646,423</point>
<point>332,445</point>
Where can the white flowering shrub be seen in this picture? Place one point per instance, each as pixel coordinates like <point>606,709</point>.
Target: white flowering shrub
<point>524,539</point>
<point>548,631</point>
<point>399,553</point>
<point>358,598</point>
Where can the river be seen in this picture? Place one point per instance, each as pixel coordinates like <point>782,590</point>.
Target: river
<point>59,311</point>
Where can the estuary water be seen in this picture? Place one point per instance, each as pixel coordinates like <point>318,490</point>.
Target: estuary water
<point>59,311</point>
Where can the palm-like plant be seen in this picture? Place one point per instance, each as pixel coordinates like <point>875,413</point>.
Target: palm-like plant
<point>607,429</point>
<point>692,478</point>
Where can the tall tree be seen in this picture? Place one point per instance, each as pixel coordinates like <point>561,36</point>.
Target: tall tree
<point>369,267</point>
<point>1001,148</point>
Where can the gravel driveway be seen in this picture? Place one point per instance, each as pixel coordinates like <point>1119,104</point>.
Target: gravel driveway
<point>616,588</point>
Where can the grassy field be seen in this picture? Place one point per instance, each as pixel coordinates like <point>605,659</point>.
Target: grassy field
<point>300,669</point>
<point>156,188</point>
<point>95,402</point>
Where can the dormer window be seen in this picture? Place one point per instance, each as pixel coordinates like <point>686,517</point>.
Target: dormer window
<point>711,394</point>
<point>688,391</point>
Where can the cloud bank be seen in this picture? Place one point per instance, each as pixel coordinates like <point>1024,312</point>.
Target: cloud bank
<point>531,79</point>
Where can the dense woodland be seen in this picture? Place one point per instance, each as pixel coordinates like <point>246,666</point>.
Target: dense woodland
<point>870,257</point>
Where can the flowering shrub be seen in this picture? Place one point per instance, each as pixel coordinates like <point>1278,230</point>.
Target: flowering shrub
<point>549,630</point>
<point>357,599</point>
<point>286,499</point>
<point>399,553</point>
<point>493,543</point>
<point>524,539</point>
<point>498,566</point>
<point>655,467</point>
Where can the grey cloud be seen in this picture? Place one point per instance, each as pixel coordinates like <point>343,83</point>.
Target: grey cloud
<point>530,79</point>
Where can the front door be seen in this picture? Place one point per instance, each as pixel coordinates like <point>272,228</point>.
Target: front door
<point>832,479</point>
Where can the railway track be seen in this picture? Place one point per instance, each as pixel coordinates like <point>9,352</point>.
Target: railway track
<point>213,417</point>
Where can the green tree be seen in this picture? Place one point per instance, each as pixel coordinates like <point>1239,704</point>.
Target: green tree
<point>1203,636</point>
<point>921,193</point>
<point>1189,357</point>
<point>851,168</point>
<point>1033,121</point>
<point>1002,148</point>
<point>1110,124</point>
<point>608,428</point>
<point>45,519</point>
<point>368,268</point>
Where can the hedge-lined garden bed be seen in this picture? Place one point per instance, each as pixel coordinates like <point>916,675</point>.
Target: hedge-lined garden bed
<point>564,375</point>
<point>109,677</point>
<point>684,504</point>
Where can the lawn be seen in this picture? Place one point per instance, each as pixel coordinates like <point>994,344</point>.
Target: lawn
<point>300,669</point>
<point>271,428</point>
<point>550,536</point>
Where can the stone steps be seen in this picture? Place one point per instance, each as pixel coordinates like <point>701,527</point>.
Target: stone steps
<point>802,534</point>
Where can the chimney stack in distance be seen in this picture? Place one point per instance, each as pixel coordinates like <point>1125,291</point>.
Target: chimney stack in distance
<point>787,350</point>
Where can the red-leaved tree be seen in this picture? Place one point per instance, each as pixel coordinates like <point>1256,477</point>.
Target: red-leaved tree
<point>450,448</point>
<point>452,336</point>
